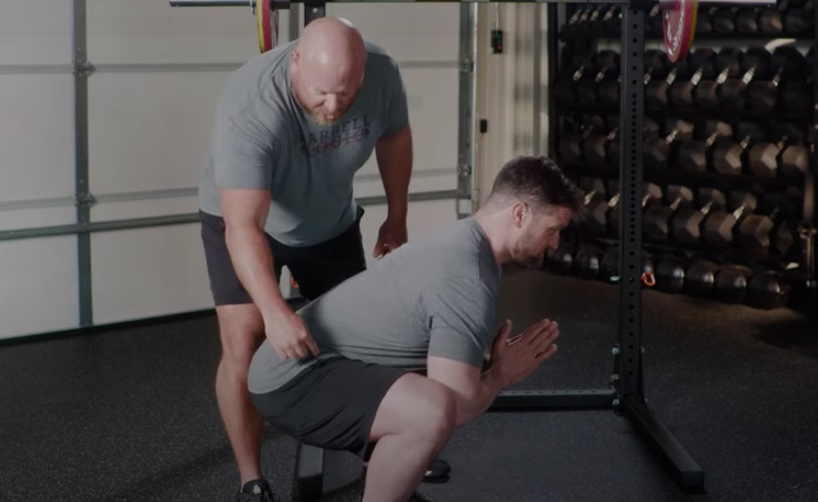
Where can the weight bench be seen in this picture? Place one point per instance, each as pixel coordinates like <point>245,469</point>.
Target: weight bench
<point>309,473</point>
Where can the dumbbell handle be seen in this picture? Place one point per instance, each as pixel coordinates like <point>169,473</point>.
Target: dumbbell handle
<point>675,204</point>
<point>745,142</point>
<point>739,211</point>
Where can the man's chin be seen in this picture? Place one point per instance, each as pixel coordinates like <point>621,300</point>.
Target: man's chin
<point>531,263</point>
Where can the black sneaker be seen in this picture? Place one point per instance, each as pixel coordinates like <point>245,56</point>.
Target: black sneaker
<point>257,490</point>
<point>438,471</point>
<point>416,497</point>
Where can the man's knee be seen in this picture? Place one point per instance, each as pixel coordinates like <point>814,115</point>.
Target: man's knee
<point>241,330</point>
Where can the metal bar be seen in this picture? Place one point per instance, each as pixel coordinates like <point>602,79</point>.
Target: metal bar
<point>424,173</point>
<point>536,129</point>
<point>684,469</point>
<point>467,104</point>
<point>20,205</point>
<point>169,193</point>
<point>36,69</point>
<point>631,119</point>
<point>163,67</point>
<point>542,400</point>
<point>82,195</point>
<point>810,221</point>
<point>556,15</point>
<point>177,219</point>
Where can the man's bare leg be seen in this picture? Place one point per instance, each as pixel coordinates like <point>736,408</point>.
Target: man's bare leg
<point>241,330</point>
<point>413,423</point>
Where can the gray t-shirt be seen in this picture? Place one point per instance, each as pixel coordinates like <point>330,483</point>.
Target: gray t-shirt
<point>436,295</point>
<point>263,139</point>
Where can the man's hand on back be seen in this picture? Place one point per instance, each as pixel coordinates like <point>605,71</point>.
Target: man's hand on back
<point>391,236</point>
<point>513,359</point>
<point>289,336</point>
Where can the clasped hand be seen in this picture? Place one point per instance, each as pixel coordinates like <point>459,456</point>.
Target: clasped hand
<point>515,358</point>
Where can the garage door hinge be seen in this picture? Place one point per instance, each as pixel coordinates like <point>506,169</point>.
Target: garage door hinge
<point>464,170</point>
<point>85,199</point>
<point>83,69</point>
<point>466,66</point>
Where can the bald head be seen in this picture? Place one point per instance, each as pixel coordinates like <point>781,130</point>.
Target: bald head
<point>328,67</point>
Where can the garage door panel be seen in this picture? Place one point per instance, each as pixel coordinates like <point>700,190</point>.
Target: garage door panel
<point>410,31</point>
<point>126,31</point>
<point>148,272</point>
<point>432,96</point>
<point>150,131</point>
<point>422,181</point>
<point>43,28</point>
<point>36,137</point>
<point>15,219</point>
<point>423,218</point>
<point>40,287</point>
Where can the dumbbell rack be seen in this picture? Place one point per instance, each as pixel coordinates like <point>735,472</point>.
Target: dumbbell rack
<point>563,42</point>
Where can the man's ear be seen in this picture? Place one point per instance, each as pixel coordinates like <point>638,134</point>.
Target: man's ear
<point>518,213</point>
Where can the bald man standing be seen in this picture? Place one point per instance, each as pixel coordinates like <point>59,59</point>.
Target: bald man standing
<point>291,129</point>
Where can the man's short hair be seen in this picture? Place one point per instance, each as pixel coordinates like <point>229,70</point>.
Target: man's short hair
<point>538,181</point>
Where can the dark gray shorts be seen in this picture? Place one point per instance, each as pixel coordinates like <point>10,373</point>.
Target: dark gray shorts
<point>316,269</point>
<point>330,405</point>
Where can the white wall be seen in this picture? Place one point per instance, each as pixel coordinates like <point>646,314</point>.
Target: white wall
<point>149,125</point>
<point>505,89</point>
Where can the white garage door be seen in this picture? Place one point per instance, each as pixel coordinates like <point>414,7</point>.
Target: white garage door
<point>156,74</point>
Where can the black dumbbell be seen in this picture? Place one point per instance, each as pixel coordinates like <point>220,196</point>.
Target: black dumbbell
<point>606,65</point>
<point>651,192</point>
<point>724,20</point>
<point>670,272</point>
<point>596,146</point>
<point>656,219</point>
<point>657,91</point>
<point>728,64</point>
<point>587,261</point>
<point>657,151</point>
<point>786,62</point>
<point>704,21</point>
<point>656,64</point>
<point>703,61</point>
<point>747,20</point>
<point>731,283</point>
<point>788,156</point>
<point>771,18</point>
<point>654,21</point>
<point>609,268</point>
<point>695,155</point>
<point>573,23</point>
<point>575,133</point>
<point>760,234</point>
<point>700,278</point>
<point>720,226</point>
<point>728,156</point>
<point>650,130</point>
<point>598,209</point>
<point>800,19</point>
<point>768,290</point>
<point>560,261</point>
<point>612,21</point>
<point>687,222</point>
<point>575,67</point>
<point>755,62</point>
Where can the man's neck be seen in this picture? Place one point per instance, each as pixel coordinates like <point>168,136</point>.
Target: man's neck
<point>493,227</point>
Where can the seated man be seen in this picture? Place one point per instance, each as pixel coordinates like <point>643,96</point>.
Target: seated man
<point>403,344</point>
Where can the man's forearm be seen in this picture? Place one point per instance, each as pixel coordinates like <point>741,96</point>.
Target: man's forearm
<point>490,386</point>
<point>394,156</point>
<point>253,261</point>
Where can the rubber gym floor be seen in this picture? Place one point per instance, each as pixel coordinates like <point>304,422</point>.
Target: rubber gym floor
<point>129,414</point>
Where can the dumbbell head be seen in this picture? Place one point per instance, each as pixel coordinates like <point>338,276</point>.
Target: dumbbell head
<point>573,132</point>
<point>657,91</point>
<point>728,64</point>
<point>609,267</point>
<point>728,156</point>
<point>606,63</point>
<point>702,62</point>
<point>759,233</point>
<point>687,220</point>
<point>670,273</point>
<point>755,62</point>
<point>658,150</point>
<point>693,155</point>
<point>700,278</point>
<point>763,158</point>
<point>560,261</point>
<point>596,214</point>
<point>587,261</point>
<point>731,283</point>
<point>768,290</point>
<point>651,193</point>
<point>656,220</point>
<point>719,226</point>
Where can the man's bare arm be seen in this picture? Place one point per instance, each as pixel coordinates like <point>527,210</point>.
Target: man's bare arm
<point>245,212</point>
<point>474,390</point>
<point>394,158</point>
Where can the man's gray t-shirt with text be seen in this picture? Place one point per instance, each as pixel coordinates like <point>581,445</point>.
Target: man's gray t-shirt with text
<point>264,139</point>
<point>436,295</point>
